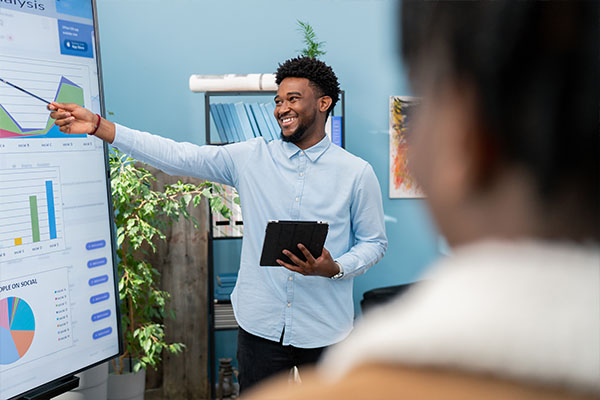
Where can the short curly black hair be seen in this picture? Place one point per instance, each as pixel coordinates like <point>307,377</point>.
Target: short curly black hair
<point>319,74</point>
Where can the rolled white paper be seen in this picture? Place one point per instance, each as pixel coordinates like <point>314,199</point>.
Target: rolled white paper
<point>232,82</point>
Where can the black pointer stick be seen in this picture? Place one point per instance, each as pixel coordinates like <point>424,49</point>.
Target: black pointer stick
<point>24,91</point>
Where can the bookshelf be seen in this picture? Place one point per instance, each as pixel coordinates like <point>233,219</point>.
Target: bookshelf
<point>210,123</point>
<point>220,313</point>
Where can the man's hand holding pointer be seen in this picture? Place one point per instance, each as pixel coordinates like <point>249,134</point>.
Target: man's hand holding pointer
<point>74,119</point>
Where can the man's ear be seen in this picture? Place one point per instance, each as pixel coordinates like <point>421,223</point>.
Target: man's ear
<point>324,103</point>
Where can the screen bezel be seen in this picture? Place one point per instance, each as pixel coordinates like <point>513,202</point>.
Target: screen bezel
<point>111,221</point>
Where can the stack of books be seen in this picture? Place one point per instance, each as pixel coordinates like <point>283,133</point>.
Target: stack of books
<point>242,121</point>
<point>224,318</point>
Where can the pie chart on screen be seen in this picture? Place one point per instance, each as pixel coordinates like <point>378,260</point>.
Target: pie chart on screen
<point>17,328</point>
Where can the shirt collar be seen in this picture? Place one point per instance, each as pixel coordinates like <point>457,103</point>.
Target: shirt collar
<point>313,153</point>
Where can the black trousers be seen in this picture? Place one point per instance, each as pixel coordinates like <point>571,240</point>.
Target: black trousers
<point>260,358</point>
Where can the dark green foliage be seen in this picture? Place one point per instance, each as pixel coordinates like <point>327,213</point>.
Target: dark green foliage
<point>141,216</point>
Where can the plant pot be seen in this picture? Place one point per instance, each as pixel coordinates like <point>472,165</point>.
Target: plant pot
<point>92,385</point>
<point>128,385</point>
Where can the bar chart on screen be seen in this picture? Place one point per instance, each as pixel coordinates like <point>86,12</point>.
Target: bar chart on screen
<point>31,215</point>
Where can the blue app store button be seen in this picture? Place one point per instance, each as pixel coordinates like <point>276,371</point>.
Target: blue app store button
<point>102,332</point>
<point>101,315</point>
<point>75,45</point>
<point>97,262</point>
<point>98,280</point>
<point>99,297</point>
<point>98,244</point>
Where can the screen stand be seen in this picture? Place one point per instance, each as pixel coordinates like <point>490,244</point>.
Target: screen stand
<point>52,389</point>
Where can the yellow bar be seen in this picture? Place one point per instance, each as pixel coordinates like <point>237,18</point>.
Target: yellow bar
<point>18,241</point>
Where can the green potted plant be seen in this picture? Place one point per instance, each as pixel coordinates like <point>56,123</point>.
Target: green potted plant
<point>313,48</point>
<point>141,216</point>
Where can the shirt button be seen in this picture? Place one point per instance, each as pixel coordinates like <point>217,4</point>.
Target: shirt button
<point>301,173</point>
<point>297,198</point>
<point>290,278</point>
<point>289,304</point>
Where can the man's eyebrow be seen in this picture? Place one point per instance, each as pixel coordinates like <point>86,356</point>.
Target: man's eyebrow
<point>288,94</point>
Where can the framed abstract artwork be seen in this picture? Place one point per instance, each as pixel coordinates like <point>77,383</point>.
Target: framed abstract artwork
<point>402,184</point>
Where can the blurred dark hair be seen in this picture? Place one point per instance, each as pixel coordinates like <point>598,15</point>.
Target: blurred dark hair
<point>535,69</point>
<point>319,74</point>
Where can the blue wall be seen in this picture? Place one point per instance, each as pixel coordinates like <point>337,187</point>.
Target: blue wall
<point>149,49</point>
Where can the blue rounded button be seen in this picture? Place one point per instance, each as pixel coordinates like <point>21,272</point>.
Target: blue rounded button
<point>99,297</point>
<point>102,333</point>
<point>101,315</point>
<point>98,280</point>
<point>98,244</point>
<point>97,262</point>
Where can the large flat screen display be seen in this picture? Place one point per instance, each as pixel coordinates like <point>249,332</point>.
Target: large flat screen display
<point>58,301</point>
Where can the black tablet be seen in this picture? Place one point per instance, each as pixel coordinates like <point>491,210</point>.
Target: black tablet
<point>282,235</point>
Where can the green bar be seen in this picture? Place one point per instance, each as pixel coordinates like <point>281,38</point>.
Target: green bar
<point>35,221</point>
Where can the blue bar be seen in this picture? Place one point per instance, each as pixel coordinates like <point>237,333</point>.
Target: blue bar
<point>51,213</point>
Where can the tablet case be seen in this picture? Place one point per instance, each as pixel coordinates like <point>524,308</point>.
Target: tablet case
<point>282,235</point>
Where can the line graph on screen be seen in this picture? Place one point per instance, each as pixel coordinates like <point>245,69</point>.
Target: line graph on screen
<point>23,116</point>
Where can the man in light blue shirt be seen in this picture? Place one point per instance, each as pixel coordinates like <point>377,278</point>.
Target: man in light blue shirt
<point>287,316</point>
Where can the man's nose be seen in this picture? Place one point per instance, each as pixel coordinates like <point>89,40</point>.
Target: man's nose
<point>284,107</point>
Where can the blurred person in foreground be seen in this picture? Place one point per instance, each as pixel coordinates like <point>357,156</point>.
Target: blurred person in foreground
<point>506,148</point>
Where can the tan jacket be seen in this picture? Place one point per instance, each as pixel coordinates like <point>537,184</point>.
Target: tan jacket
<point>386,382</point>
<point>497,320</point>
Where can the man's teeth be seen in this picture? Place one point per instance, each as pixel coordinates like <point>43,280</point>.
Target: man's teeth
<point>288,119</point>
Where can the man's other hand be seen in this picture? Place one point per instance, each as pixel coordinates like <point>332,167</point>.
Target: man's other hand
<point>322,266</point>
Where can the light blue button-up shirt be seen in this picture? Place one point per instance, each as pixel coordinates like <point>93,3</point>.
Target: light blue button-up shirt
<point>278,181</point>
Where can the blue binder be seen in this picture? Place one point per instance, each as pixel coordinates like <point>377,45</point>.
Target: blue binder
<point>237,122</point>
<point>265,114</point>
<point>225,122</point>
<point>270,107</point>
<point>244,121</point>
<point>265,131</point>
<point>217,119</point>
<point>336,130</point>
<point>231,118</point>
<point>252,120</point>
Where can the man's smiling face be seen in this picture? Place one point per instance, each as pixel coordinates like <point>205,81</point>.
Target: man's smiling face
<point>296,108</point>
